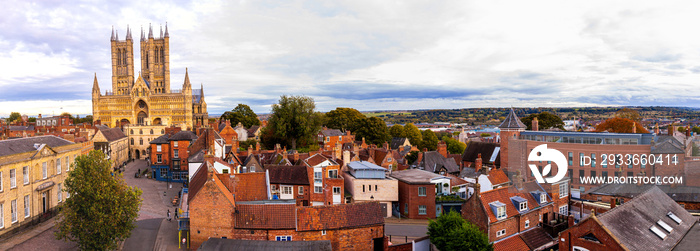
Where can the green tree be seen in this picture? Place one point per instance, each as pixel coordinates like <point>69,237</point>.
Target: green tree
<point>344,119</point>
<point>451,232</point>
<point>411,157</point>
<point>31,119</point>
<point>373,130</point>
<point>696,129</point>
<point>681,129</point>
<point>453,145</point>
<point>484,135</point>
<point>397,131</point>
<point>545,120</point>
<point>243,114</point>
<point>15,116</point>
<point>101,210</point>
<point>293,120</point>
<point>243,145</point>
<point>413,134</point>
<point>429,141</point>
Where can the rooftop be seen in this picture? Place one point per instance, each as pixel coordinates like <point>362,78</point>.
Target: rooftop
<point>415,176</point>
<point>22,145</point>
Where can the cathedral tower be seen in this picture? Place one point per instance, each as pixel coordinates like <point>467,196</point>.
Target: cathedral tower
<point>155,60</point>
<point>122,63</point>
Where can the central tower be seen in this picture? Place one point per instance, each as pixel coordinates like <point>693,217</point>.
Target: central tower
<point>155,60</point>
<point>122,63</point>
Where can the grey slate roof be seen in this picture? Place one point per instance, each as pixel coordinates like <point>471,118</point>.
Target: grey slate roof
<point>512,121</point>
<point>667,144</point>
<point>183,135</point>
<point>23,145</point>
<point>397,142</point>
<point>486,150</point>
<point>678,193</point>
<point>112,134</point>
<point>630,222</point>
<point>433,161</point>
<point>332,132</point>
<point>216,244</point>
<point>197,157</point>
<point>160,140</point>
<point>22,128</point>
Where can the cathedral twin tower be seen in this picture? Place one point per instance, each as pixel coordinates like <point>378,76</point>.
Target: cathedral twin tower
<point>148,99</point>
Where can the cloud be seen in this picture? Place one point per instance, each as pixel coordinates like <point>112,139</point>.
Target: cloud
<point>371,55</point>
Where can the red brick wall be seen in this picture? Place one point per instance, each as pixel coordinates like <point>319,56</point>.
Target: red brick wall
<point>164,151</point>
<point>509,224</point>
<point>209,212</point>
<point>183,154</point>
<point>473,211</point>
<point>408,193</point>
<point>341,239</point>
<point>401,247</point>
<point>572,236</point>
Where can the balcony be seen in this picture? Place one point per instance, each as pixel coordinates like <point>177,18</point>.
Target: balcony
<point>555,224</point>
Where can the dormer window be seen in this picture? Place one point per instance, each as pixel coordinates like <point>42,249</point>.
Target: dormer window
<point>519,202</point>
<point>499,209</point>
<point>523,206</point>
<point>543,198</point>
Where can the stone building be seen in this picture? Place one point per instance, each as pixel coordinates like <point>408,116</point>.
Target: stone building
<point>113,143</point>
<point>146,98</point>
<point>368,182</point>
<point>139,138</point>
<point>32,171</point>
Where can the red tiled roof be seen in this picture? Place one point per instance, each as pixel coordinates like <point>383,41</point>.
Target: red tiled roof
<point>292,175</point>
<point>249,186</point>
<point>536,238</point>
<point>197,181</point>
<point>379,156</point>
<point>271,216</point>
<point>315,160</point>
<point>339,216</point>
<point>503,195</point>
<point>514,243</point>
<point>497,176</point>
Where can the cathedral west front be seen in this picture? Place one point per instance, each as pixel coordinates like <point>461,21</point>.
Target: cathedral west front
<point>146,98</point>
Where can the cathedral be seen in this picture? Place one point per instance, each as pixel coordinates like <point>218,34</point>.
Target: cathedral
<point>146,99</point>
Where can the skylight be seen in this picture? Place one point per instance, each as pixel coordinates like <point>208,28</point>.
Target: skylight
<point>664,226</point>
<point>674,218</point>
<point>658,232</point>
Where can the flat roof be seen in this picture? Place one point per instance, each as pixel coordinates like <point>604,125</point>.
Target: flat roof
<point>415,176</point>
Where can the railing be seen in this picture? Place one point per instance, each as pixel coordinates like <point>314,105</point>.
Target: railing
<point>556,225</point>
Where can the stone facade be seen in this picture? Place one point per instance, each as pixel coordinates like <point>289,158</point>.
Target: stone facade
<point>385,191</point>
<point>31,182</point>
<point>148,99</point>
<point>139,136</point>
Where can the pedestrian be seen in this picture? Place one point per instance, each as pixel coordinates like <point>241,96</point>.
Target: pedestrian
<point>139,171</point>
<point>168,214</point>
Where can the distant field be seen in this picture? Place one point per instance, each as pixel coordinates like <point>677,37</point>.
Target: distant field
<point>380,114</point>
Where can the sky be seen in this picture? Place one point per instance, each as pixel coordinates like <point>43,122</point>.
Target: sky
<point>368,55</point>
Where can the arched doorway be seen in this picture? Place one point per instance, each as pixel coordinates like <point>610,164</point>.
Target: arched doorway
<point>138,154</point>
<point>142,117</point>
<point>141,110</point>
<point>157,121</point>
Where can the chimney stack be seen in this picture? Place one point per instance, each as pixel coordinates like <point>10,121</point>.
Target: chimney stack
<point>535,124</point>
<point>346,158</point>
<point>612,203</point>
<point>257,146</point>
<point>442,148</point>
<point>478,164</point>
<point>671,128</point>
<point>634,127</point>
<point>687,130</point>
<point>284,152</point>
<point>385,145</point>
<point>656,129</point>
<point>250,150</point>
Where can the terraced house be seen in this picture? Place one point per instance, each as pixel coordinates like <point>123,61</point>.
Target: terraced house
<point>32,171</point>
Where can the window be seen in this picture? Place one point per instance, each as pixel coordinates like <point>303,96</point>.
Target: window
<point>58,166</point>
<point>328,139</point>
<point>132,132</point>
<point>501,233</point>
<point>287,190</point>
<point>422,210</point>
<point>527,223</point>
<point>571,174</point>
<point>141,143</point>
<point>323,232</point>
<point>13,210</point>
<point>2,216</point>
<point>523,206</point>
<point>643,164</point>
<point>405,208</point>
<point>563,190</point>
<point>176,153</point>
<point>176,165</point>
<point>604,160</point>
<point>0,185</point>
<point>26,206</point>
<point>564,210</point>
<point>580,159</point>
<point>318,189</point>
<point>163,172</point>
<point>593,173</point>
<point>501,212</point>
<point>301,190</point>
<point>340,138</point>
<point>159,158</point>
<point>141,130</point>
<point>174,143</point>
<point>132,141</point>
<point>664,226</point>
<point>284,238</point>
<point>581,173</point>
<point>336,190</point>
<point>674,218</point>
<point>25,174</point>
<point>151,131</point>
<point>252,169</point>
<point>273,187</point>
<point>363,188</point>
<point>658,232</point>
<point>58,193</point>
<point>158,148</point>
<point>67,164</point>
<point>13,178</point>
<point>333,174</point>
<point>605,174</point>
<point>376,188</point>
<point>592,159</point>
<point>571,158</point>
<point>370,188</point>
<point>543,198</point>
<point>421,191</point>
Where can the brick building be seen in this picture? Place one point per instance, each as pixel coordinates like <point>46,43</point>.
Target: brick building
<point>328,183</point>
<point>328,138</point>
<point>686,196</point>
<point>417,190</point>
<point>290,182</point>
<point>650,221</point>
<point>215,211</point>
<point>169,154</point>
